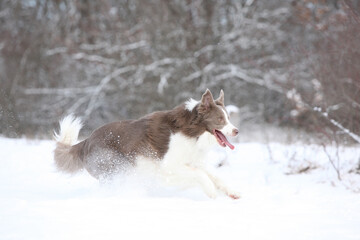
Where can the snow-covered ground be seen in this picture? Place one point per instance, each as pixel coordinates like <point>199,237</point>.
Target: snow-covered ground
<point>278,202</point>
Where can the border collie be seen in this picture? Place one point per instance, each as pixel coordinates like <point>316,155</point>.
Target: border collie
<point>174,141</point>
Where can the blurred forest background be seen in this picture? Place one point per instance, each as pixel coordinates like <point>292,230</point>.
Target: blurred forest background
<point>285,63</point>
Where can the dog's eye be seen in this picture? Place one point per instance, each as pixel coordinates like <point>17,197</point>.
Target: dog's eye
<point>221,119</point>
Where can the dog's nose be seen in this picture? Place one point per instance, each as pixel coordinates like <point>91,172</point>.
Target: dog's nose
<point>235,132</point>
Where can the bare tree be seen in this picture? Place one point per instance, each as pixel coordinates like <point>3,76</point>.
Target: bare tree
<point>107,59</point>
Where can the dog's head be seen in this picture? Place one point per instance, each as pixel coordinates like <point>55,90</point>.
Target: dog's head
<point>216,118</point>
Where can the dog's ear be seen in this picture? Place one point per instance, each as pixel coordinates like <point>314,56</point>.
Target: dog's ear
<point>206,102</point>
<point>220,99</point>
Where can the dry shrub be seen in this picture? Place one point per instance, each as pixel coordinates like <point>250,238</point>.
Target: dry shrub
<point>331,96</point>
<point>338,70</point>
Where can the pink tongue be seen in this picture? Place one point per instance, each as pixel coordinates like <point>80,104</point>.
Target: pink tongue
<point>223,138</point>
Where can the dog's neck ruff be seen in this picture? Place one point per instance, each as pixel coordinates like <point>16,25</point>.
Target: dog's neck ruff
<point>191,104</point>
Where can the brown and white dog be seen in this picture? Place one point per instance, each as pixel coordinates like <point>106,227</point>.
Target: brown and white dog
<point>173,142</point>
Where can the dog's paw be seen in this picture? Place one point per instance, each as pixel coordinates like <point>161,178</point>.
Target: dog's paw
<point>234,195</point>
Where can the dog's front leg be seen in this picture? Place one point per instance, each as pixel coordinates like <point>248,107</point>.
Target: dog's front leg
<point>222,186</point>
<point>188,176</point>
<point>203,179</point>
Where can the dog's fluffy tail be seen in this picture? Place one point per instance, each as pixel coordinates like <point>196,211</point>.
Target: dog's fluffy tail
<point>66,153</point>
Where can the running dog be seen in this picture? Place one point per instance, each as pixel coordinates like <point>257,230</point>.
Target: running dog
<point>175,142</point>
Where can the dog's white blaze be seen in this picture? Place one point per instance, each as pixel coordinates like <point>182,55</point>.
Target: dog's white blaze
<point>191,104</point>
<point>229,127</point>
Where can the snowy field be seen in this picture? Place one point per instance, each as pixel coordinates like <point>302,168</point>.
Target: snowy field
<point>288,192</point>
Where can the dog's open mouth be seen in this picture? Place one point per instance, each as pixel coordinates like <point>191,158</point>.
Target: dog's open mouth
<point>222,140</point>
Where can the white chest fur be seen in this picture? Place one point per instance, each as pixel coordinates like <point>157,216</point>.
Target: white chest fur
<point>183,164</point>
<point>184,150</point>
